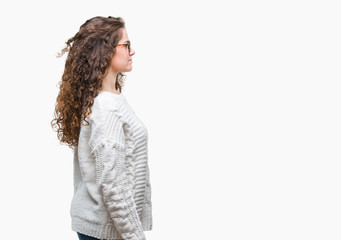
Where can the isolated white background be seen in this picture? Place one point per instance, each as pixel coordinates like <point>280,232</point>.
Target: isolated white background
<point>241,100</point>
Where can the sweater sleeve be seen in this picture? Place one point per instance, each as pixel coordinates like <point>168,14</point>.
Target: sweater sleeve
<point>107,144</point>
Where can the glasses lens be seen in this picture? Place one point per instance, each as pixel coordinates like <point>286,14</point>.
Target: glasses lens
<point>129,46</point>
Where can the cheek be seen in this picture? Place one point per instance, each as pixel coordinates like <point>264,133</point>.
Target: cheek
<point>118,61</point>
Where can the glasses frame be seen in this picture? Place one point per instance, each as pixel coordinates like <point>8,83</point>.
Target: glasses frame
<point>126,45</point>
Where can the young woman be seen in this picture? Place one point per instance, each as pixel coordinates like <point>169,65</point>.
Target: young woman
<point>112,191</point>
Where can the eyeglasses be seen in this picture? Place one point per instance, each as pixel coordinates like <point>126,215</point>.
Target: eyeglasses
<point>126,45</point>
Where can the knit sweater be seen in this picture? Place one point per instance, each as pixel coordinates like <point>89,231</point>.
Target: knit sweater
<point>112,191</point>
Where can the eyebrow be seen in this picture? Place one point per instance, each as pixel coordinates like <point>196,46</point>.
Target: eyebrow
<point>126,41</point>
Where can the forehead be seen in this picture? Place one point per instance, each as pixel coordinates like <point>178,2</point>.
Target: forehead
<point>124,36</point>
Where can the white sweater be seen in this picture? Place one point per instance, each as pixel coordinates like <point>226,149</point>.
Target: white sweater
<point>112,191</point>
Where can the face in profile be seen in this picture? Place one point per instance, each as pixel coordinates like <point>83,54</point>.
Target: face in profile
<point>122,59</point>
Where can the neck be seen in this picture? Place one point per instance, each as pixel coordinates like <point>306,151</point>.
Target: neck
<point>109,82</point>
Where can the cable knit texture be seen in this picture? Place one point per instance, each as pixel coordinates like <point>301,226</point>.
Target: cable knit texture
<point>112,192</point>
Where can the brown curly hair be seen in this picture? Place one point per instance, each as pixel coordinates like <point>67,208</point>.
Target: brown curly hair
<point>87,63</point>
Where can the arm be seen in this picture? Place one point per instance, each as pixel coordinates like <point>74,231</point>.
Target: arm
<point>146,214</point>
<point>107,143</point>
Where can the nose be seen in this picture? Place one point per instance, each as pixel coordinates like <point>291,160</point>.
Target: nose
<point>132,52</point>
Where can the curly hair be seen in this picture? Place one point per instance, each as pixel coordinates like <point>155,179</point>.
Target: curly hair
<point>87,63</point>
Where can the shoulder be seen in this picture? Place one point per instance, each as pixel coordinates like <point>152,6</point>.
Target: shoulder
<point>105,104</point>
<point>109,101</point>
<point>106,121</point>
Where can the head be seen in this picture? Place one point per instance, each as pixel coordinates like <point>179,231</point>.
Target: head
<point>94,53</point>
<point>122,59</point>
